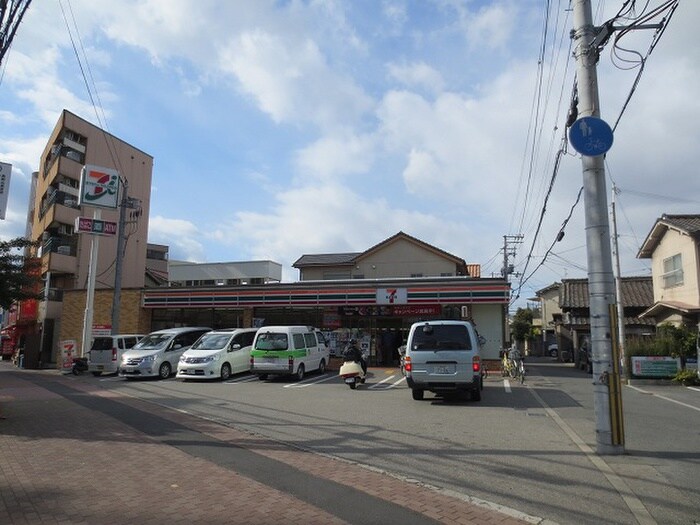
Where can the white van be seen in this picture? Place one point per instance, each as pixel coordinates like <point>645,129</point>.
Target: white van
<point>218,354</point>
<point>106,352</point>
<point>288,350</point>
<point>158,353</point>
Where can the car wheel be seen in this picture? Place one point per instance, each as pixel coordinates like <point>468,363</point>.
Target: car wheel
<point>322,367</point>
<point>476,394</point>
<point>225,371</point>
<point>417,394</point>
<point>164,370</point>
<point>97,374</point>
<point>262,377</point>
<point>300,373</point>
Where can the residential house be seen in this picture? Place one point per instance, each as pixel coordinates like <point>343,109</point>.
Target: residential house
<point>673,245</point>
<point>571,316</point>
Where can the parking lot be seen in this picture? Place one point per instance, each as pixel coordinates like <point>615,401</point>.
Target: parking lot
<point>523,447</point>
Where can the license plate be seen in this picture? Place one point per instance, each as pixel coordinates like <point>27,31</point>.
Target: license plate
<point>442,370</point>
<point>349,380</point>
<point>100,367</point>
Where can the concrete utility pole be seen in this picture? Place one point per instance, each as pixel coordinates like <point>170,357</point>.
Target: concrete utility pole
<point>607,398</point>
<point>618,287</point>
<point>121,239</point>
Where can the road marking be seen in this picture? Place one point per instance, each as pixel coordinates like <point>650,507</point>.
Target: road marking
<point>631,500</point>
<point>664,398</point>
<point>312,381</point>
<point>244,379</point>
<point>382,384</point>
<point>506,385</point>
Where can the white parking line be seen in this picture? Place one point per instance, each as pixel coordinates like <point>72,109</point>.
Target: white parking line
<point>382,384</point>
<point>664,398</point>
<point>244,379</point>
<point>311,381</point>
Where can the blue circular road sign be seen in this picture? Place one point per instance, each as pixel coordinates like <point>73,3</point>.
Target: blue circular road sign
<point>591,136</point>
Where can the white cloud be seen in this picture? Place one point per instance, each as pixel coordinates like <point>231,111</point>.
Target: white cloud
<point>419,75</point>
<point>334,156</point>
<point>182,236</point>
<point>291,81</point>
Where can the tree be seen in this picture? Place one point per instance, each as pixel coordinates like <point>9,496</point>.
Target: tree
<point>521,325</point>
<point>19,276</point>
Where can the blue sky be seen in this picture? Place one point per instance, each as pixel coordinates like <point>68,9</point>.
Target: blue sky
<point>283,128</point>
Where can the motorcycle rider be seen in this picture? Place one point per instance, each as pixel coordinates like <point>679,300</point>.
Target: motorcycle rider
<point>353,353</point>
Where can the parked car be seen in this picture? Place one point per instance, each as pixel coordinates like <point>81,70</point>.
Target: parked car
<point>443,357</point>
<point>217,354</point>
<point>288,350</point>
<point>158,353</point>
<point>106,352</point>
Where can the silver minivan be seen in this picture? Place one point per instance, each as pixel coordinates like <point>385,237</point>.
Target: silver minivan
<point>443,357</point>
<point>106,352</point>
<point>158,353</point>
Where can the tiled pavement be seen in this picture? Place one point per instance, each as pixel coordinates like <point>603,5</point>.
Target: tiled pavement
<point>64,460</point>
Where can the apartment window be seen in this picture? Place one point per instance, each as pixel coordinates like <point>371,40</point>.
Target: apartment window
<point>673,271</point>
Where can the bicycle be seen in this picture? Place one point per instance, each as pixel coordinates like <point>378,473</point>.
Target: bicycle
<point>519,371</point>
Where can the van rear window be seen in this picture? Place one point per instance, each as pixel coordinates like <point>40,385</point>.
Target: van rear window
<point>272,341</point>
<point>441,337</point>
<point>102,343</point>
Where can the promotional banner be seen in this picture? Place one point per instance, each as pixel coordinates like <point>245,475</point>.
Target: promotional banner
<point>5,172</point>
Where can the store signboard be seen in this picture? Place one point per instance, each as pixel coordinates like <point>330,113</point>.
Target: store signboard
<point>5,172</point>
<point>99,187</point>
<point>654,366</point>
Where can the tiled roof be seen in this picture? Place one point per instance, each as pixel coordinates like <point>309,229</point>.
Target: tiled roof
<point>326,259</point>
<point>636,292</point>
<point>689,224</point>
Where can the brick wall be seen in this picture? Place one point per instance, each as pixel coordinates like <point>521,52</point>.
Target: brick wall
<point>133,318</point>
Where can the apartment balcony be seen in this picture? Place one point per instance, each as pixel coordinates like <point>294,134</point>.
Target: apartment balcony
<point>52,305</point>
<point>58,254</point>
<point>59,206</point>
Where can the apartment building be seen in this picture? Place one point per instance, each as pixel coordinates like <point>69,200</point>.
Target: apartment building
<point>54,208</point>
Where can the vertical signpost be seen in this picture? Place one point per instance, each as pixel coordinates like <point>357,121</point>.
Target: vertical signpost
<point>99,187</point>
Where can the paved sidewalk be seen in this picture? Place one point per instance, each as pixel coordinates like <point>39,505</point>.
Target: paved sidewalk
<point>72,453</point>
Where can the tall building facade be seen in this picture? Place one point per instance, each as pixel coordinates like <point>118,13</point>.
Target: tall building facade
<point>54,208</point>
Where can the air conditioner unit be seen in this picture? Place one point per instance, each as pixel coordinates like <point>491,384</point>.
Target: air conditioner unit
<point>63,250</point>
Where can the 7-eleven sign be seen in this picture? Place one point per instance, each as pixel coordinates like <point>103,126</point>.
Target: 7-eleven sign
<point>392,296</point>
<point>99,187</point>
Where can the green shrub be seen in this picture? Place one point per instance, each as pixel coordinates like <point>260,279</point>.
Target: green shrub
<point>687,376</point>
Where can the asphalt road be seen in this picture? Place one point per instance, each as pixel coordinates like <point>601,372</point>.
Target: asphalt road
<point>529,447</point>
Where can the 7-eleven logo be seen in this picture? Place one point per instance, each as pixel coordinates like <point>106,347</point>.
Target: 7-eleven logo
<point>100,186</point>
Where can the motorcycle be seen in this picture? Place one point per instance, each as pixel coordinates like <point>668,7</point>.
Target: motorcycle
<point>80,365</point>
<point>352,373</point>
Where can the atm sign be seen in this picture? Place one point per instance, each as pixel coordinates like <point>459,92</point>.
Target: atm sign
<point>95,226</point>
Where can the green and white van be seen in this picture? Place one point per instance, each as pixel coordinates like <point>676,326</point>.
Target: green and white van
<point>288,350</point>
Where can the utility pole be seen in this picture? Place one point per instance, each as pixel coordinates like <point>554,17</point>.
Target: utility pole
<point>505,272</point>
<point>121,239</point>
<point>125,203</point>
<point>606,382</point>
<point>618,287</point>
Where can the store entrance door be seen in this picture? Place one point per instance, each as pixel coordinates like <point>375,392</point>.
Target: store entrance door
<point>389,335</point>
